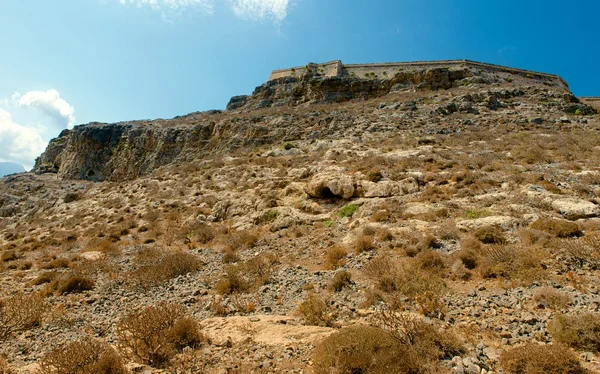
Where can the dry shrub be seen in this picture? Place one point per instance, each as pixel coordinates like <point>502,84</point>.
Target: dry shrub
<point>364,243</point>
<point>239,240</point>
<point>552,298</point>
<point>490,235</point>
<point>430,260</point>
<point>582,251</point>
<point>558,227</point>
<point>380,216</point>
<point>340,280</point>
<point>45,277</point>
<point>415,242</point>
<point>448,231</point>
<point>316,311</point>
<point>512,262</point>
<point>335,257</point>
<point>422,287</point>
<point>577,331</point>
<point>4,369</point>
<point>86,356</point>
<point>155,266</point>
<point>102,245</point>
<point>411,330</point>
<point>199,232</point>
<point>9,256</point>
<point>246,276</point>
<point>365,349</point>
<point>533,358</point>
<point>531,237</point>
<point>20,312</point>
<point>69,283</point>
<point>154,334</point>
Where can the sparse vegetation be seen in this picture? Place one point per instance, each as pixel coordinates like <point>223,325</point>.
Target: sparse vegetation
<point>533,358</point>
<point>153,335</point>
<point>20,312</point>
<point>577,331</point>
<point>348,210</point>
<point>85,356</point>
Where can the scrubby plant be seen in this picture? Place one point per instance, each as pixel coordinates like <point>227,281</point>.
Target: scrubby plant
<point>364,243</point>
<point>577,331</point>
<point>512,262</point>
<point>335,257</point>
<point>154,334</point>
<point>85,356</point>
<point>340,280</point>
<point>558,227</point>
<point>533,358</point>
<point>20,312</point>
<point>70,283</point>
<point>316,311</point>
<point>70,197</point>
<point>552,298</point>
<point>490,235</point>
<point>246,276</point>
<point>154,266</point>
<point>348,210</point>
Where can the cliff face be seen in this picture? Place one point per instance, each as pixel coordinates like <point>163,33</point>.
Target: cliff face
<point>291,108</point>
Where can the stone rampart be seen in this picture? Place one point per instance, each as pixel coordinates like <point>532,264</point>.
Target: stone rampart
<point>389,69</point>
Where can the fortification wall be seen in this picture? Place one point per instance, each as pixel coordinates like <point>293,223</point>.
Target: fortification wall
<point>388,70</point>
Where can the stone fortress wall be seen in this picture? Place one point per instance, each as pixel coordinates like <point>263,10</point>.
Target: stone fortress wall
<point>384,70</point>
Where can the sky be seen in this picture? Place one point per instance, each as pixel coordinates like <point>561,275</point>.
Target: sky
<point>69,62</point>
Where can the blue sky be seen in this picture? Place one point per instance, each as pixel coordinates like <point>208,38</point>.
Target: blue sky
<point>67,62</point>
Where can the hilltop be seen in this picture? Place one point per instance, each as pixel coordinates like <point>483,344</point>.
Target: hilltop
<point>445,214</point>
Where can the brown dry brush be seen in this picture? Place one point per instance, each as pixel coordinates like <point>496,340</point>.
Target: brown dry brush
<point>154,334</point>
<point>20,312</point>
<point>85,356</point>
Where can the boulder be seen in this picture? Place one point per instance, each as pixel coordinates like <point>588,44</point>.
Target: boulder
<point>331,185</point>
<point>387,188</point>
<point>574,209</point>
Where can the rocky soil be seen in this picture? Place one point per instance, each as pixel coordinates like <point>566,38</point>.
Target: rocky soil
<point>457,178</point>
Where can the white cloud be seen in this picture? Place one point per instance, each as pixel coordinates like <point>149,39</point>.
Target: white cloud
<point>19,143</point>
<point>259,10</point>
<point>50,103</point>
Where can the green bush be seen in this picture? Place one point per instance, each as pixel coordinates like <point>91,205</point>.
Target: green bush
<point>348,210</point>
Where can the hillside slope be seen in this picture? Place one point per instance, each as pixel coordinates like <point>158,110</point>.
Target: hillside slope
<point>464,214</point>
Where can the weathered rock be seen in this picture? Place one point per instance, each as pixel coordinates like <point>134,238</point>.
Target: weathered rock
<point>331,185</point>
<point>573,209</point>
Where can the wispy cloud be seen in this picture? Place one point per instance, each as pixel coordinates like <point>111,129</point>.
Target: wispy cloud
<point>260,10</point>
<point>170,8</point>
<point>49,103</point>
<point>255,10</point>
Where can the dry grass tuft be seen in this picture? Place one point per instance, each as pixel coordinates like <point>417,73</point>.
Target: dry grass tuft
<point>533,358</point>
